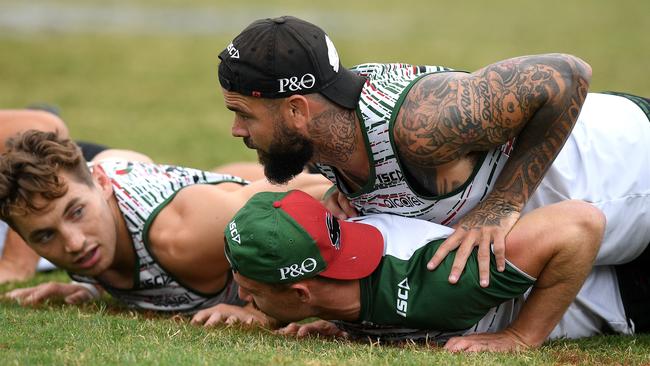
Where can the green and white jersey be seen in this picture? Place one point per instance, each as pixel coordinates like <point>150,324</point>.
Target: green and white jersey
<point>142,191</point>
<point>402,292</point>
<point>387,190</point>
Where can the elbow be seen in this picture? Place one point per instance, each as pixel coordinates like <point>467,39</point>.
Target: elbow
<point>583,70</point>
<point>576,71</point>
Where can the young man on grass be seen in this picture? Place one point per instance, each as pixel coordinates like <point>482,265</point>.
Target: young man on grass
<point>17,261</point>
<point>150,235</point>
<point>293,259</point>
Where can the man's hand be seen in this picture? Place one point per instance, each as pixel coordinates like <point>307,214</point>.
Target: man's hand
<point>321,328</point>
<point>504,341</point>
<point>230,315</point>
<point>484,226</point>
<point>338,204</point>
<point>70,292</point>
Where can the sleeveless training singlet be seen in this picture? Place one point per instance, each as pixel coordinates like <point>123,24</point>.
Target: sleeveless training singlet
<point>387,190</point>
<point>142,191</point>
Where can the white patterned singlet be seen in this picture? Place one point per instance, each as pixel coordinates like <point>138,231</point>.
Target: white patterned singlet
<point>387,190</point>
<point>142,191</point>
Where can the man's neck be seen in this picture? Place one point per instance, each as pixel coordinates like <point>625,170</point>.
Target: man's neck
<point>340,143</point>
<point>340,301</point>
<point>120,273</point>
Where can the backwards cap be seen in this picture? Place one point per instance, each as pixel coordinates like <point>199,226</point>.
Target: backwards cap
<point>279,57</point>
<point>286,237</point>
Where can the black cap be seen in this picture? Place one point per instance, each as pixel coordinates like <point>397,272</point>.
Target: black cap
<point>276,58</point>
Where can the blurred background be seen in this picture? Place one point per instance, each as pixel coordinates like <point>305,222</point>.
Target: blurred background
<point>142,74</point>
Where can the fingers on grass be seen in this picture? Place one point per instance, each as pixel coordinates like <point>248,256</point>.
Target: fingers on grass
<point>289,329</point>
<point>200,317</point>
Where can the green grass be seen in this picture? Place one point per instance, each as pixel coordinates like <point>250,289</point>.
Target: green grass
<point>108,334</point>
<point>158,93</point>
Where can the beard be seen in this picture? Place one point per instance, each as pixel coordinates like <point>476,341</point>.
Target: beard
<point>286,157</point>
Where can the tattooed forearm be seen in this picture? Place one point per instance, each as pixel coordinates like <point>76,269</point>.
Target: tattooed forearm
<point>532,156</point>
<point>489,213</point>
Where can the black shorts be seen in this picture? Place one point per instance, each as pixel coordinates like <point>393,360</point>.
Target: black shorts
<point>634,285</point>
<point>90,149</point>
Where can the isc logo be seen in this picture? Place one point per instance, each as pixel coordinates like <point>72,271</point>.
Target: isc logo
<point>234,234</point>
<point>402,297</point>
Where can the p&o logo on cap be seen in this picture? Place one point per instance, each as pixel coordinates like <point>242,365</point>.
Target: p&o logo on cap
<point>296,270</point>
<point>307,81</point>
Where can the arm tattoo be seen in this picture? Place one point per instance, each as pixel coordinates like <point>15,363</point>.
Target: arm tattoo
<point>534,98</point>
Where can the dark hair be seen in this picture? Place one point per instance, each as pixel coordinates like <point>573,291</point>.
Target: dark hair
<point>31,168</point>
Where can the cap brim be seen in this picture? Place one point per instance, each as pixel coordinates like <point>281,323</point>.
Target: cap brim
<point>362,247</point>
<point>345,90</point>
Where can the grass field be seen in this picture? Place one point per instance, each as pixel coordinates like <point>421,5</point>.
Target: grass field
<point>142,75</point>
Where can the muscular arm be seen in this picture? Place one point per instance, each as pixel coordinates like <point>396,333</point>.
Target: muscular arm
<point>557,244</point>
<point>446,117</point>
<point>187,237</point>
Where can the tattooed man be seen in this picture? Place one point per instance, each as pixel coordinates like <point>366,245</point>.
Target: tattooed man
<point>471,150</point>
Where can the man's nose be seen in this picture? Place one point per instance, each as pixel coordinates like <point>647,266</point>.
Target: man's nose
<point>244,295</point>
<point>74,240</point>
<point>238,129</point>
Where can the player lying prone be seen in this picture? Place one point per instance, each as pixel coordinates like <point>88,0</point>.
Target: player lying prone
<point>294,260</point>
<point>150,235</point>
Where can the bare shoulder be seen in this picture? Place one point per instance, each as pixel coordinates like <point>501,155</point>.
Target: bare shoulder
<point>187,236</point>
<point>120,154</point>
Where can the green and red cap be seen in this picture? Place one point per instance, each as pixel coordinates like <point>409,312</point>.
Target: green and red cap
<point>289,236</point>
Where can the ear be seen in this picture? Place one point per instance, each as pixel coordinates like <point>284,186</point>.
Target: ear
<point>102,181</point>
<point>302,291</point>
<point>296,112</point>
